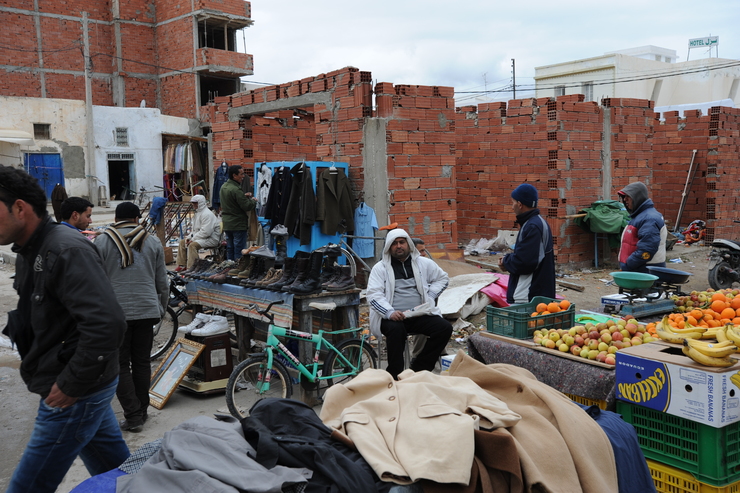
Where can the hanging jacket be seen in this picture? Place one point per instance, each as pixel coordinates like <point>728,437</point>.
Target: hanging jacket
<point>264,183</point>
<point>365,225</point>
<point>335,202</point>
<point>279,196</point>
<point>219,179</point>
<point>301,212</point>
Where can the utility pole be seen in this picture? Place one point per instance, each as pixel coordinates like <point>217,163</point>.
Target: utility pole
<point>513,76</point>
<point>90,169</point>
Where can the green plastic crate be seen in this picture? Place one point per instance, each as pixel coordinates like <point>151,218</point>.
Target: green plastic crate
<point>516,320</point>
<point>711,455</point>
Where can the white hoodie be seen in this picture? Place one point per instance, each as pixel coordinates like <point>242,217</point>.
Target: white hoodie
<point>206,226</point>
<point>431,280</point>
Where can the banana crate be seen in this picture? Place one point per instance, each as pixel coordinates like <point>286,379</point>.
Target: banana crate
<point>711,455</point>
<point>517,321</point>
<point>668,479</point>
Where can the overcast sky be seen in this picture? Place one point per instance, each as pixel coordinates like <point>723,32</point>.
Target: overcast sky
<point>469,44</point>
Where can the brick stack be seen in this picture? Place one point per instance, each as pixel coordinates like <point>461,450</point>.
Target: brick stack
<point>420,141</point>
<point>673,141</point>
<point>723,173</point>
<point>632,122</point>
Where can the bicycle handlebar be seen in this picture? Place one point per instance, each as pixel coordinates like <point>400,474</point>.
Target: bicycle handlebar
<point>266,312</point>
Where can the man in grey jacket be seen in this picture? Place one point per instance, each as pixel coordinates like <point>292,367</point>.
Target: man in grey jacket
<point>134,262</point>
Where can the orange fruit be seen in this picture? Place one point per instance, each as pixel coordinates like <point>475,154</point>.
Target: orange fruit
<point>541,307</point>
<point>564,304</point>
<point>553,307</point>
<point>691,320</point>
<point>697,314</point>
<point>718,305</point>
<point>534,314</point>
<point>719,297</point>
<point>735,303</point>
<point>728,313</point>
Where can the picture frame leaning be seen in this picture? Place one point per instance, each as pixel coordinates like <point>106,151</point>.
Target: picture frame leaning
<point>173,368</point>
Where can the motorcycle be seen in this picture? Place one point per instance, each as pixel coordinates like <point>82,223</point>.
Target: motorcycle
<point>724,263</point>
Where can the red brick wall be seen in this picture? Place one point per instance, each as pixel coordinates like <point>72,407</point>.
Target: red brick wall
<point>235,7</point>
<point>178,95</point>
<point>451,172</point>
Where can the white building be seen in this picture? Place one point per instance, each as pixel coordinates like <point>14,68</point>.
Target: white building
<point>48,137</point>
<point>648,72</point>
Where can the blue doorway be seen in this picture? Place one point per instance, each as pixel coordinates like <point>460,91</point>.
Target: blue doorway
<point>47,169</point>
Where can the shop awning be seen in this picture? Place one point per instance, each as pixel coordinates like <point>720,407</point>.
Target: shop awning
<point>16,136</point>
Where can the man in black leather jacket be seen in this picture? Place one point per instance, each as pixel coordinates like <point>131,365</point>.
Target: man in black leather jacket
<point>67,327</point>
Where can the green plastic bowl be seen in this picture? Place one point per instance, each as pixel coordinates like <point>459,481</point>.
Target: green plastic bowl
<point>633,280</point>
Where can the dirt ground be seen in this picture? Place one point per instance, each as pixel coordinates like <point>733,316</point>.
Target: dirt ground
<point>18,406</point>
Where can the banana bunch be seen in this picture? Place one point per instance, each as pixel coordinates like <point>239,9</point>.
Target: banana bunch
<point>731,332</point>
<point>710,354</point>
<point>735,378</point>
<point>672,334</point>
<point>711,333</point>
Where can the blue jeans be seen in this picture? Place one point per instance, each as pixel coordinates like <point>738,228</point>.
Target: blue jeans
<point>236,241</point>
<point>87,428</point>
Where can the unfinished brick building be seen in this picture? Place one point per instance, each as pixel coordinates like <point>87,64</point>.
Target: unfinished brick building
<point>446,173</point>
<point>174,54</point>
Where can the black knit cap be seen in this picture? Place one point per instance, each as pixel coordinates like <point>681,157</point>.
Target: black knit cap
<point>127,210</point>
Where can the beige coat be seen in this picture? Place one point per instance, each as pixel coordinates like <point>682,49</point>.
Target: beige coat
<point>420,427</point>
<point>561,448</point>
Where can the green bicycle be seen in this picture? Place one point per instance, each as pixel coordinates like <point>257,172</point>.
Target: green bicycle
<point>265,374</point>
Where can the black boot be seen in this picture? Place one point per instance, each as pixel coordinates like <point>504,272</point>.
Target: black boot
<point>287,281</point>
<point>343,281</point>
<point>300,271</point>
<point>310,282</point>
<point>283,279</point>
<point>281,247</point>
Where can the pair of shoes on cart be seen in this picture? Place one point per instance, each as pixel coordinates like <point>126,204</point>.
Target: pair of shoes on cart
<point>206,325</point>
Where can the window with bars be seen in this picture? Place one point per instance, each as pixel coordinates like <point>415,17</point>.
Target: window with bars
<point>42,131</point>
<point>121,137</point>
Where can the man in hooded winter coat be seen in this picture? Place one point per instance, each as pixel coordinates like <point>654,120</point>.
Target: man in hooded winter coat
<point>206,234</point>
<point>644,238</point>
<point>402,290</point>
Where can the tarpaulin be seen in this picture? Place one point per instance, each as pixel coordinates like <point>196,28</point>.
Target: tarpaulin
<point>605,216</point>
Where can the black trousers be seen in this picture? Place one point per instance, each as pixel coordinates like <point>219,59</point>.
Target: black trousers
<point>135,373</point>
<point>437,329</point>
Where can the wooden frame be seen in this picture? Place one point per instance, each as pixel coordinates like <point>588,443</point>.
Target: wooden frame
<point>172,369</point>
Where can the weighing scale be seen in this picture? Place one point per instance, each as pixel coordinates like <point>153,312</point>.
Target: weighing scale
<point>643,295</point>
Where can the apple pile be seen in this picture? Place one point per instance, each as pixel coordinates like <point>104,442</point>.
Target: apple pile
<point>699,299</point>
<point>598,341</point>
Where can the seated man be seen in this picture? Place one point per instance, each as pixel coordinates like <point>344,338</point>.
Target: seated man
<point>401,281</point>
<point>76,213</point>
<point>206,234</point>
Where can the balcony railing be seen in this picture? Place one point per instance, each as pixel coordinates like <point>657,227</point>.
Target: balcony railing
<point>233,7</point>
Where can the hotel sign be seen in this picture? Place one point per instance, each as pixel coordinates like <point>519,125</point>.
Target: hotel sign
<point>707,42</point>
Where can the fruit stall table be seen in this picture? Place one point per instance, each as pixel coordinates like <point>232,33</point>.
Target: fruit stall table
<point>583,380</point>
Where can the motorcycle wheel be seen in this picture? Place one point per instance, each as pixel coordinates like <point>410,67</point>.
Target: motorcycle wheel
<point>718,279</point>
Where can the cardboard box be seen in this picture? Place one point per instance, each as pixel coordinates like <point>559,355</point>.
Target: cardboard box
<point>168,255</point>
<point>659,376</point>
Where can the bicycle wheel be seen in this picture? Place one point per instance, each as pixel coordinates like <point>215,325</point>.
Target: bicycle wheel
<point>247,377</point>
<point>164,334</point>
<point>358,354</point>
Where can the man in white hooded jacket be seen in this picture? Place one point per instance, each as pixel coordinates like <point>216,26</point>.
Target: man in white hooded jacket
<point>402,290</point>
<point>206,233</point>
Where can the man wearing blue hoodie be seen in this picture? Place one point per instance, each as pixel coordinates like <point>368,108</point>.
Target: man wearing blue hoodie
<point>644,238</point>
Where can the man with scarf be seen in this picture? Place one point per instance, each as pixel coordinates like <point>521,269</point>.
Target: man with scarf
<point>644,238</point>
<point>402,291</point>
<point>134,262</point>
<point>206,233</point>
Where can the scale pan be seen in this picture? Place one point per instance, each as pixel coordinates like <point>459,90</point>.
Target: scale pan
<point>633,280</point>
<point>670,276</point>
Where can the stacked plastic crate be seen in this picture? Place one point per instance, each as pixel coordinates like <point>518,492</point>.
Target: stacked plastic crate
<point>687,418</point>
